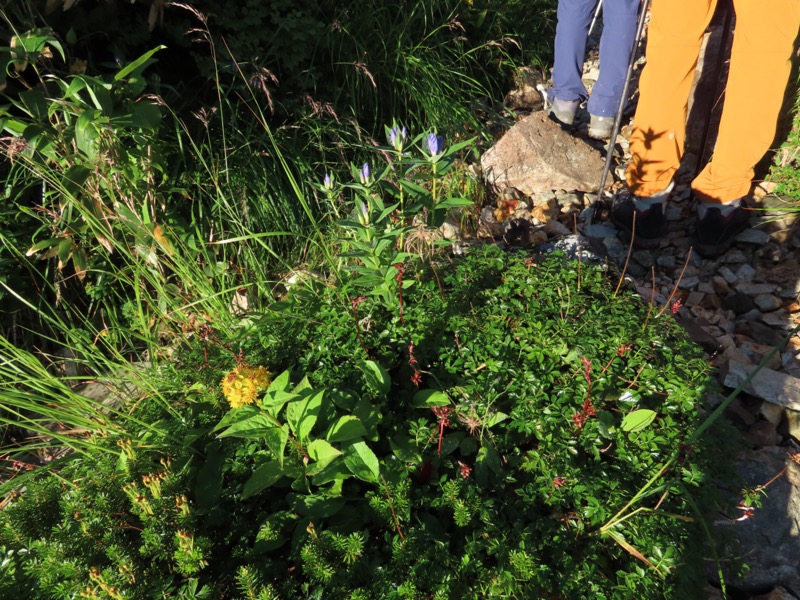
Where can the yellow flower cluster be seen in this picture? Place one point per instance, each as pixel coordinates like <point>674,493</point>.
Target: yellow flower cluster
<point>242,385</point>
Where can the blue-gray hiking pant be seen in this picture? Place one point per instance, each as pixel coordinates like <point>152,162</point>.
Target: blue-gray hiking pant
<point>616,41</point>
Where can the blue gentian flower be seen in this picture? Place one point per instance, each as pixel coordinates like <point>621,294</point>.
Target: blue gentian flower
<point>397,137</point>
<point>435,144</point>
<point>365,174</point>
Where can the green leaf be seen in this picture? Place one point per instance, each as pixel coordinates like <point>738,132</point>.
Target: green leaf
<point>138,65</point>
<point>427,398</point>
<point>496,418</point>
<point>263,477</point>
<point>236,415</point>
<point>362,462</point>
<point>254,427</point>
<point>145,115</point>
<point>277,399</point>
<point>336,470</point>
<point>404,449</point>
<point>322,453</point>
<point>454,203</point>
<point>302,414</point>
<point>280,383</point>
<point>276,440</point>
<point>346,428</point>
<point>638,420</point>
<point>376,376</point>
<point>86,132</point>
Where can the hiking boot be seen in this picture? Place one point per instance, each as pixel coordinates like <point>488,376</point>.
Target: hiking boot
<point>600,127</point>
<point>717,225</point>
<point>563,111</point>
<point>648,227</point>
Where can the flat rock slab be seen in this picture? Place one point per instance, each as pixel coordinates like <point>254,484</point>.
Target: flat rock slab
<point>537,155</point>
<point>772,386</point>
<point>770,540</point>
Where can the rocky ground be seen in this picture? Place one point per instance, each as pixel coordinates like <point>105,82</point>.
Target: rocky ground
<point>741,307</point>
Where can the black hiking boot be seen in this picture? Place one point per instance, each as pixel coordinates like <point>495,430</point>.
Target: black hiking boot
<point>714,231</point>
<point>646,228</point>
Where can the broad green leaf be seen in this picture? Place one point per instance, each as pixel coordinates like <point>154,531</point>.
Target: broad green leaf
<point>336,470</point>
<point>403,448</point>
<point>253,427</point>
<point>302,414</point>
<point>277,399</point>
<point>322,452</point>
<point>638,420</point>
<point>362,462</point>
<point>145,115</point>
<point>236,415</point>
<point>276,440</point>
<point>427,398</point>
<point>376,376</point>
<point>346,428</point>
<point>86,132</point>
<point>280,383</point>
<point>496,418</point>
<point>263,477</point>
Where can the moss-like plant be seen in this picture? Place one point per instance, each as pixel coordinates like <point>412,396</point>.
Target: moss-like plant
<point>482,445</point>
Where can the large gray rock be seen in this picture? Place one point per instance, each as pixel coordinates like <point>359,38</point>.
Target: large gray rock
<point>770,540</point>
<point>537,155</point>
<point>772,386</point>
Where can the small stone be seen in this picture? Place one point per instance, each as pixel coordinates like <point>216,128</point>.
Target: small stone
<point>599,230</point>
<point>754,289</point>
<point>728,275</point>
<point>706,287</point>
<point>665,261</point>
<point>734,257</point>
<point>739,413</point>
<point>777,318</point>
<point>720,284</point>
<point>767,302</point>
<point>778,593</point>
<point>450,230</point>
<point>764,334</point>
<point>771,412</point>
<point>554,228</point>
<point>745,273</point>
<point>688,283</point>
<point>643,257</point>
<point>694,299</point>
<point>738,303</point>
<point>753,236</point>
<point>763,433</point>
<point>793,424</point>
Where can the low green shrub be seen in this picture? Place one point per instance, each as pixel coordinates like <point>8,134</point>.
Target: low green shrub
<point>502,431</point>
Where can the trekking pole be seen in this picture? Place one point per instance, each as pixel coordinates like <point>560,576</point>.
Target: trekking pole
<point>623,100</point>
<point>594,18</point>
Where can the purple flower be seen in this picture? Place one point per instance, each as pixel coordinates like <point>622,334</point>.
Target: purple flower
<point>435,144</point>
<point>397,136</point>
<point>362,213</point>
<point>365,174</point>
<point>327,183</point>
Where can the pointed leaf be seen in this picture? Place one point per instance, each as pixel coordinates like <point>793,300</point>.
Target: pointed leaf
<point>362,462</point>
<point>638,420</point>
<point>302,414</point>
<point>346,428</point>
<point>276,440</point>
<point>254,427</point>
<point>427,398</point>
<point>263,477</point>
<point>376,376</point>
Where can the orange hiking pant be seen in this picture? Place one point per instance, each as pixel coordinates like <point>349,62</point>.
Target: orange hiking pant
<point>763,43</point>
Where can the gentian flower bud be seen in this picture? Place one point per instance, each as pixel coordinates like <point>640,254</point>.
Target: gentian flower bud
<point>435,144</point>
<point>365,174</point>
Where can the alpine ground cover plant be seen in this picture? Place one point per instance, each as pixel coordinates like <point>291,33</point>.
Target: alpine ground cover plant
<point>478,447</point>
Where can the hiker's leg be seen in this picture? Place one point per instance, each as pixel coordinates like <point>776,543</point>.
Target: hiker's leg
<point>674,37</point>
<point>574,17</point>
<point>763,44</point>
<point>619,31</point>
